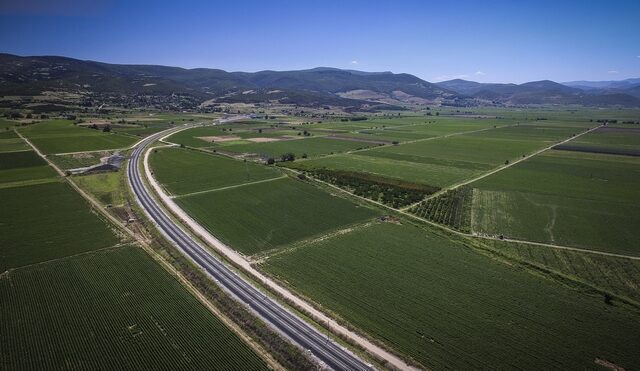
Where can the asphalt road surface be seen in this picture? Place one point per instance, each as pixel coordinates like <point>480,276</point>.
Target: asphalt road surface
<point>333,355</point>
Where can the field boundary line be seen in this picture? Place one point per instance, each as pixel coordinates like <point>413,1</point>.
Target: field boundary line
<point>436,137</point>
<point>559,247</point>
<point>523,158</point>
<point>25,183</point>
<point>499,168</point>
<point>300,244</point>
<point>243,263</point>
<point>229,187</point>
<point>62,258</point>
<point>19,150</point>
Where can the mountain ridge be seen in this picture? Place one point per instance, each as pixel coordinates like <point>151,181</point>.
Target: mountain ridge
<point>33,75</point>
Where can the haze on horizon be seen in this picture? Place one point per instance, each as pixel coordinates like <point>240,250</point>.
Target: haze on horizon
<point>490,41</point>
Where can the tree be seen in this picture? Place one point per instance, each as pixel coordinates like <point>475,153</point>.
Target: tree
<point>271,161</point>
<point>289,156</point>
<point>106,129</point>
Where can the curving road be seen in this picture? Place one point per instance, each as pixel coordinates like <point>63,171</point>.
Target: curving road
<point>293,327</point>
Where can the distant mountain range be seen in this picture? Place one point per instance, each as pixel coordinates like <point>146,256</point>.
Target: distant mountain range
<point>27,76</point>
<point>623,93</point>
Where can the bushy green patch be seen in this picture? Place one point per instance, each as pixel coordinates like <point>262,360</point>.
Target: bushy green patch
<point>437,175</point>
<point>452,208</point>
<point>391,192</point>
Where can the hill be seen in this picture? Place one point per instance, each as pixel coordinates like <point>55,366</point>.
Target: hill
<point>543,92</point>
<point>96,83</point>
<point>22,76</point>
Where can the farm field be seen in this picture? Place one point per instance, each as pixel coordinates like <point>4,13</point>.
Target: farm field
<point>183,171</point>
<point>244,129</point>
<point>613,140</point>
<point>61,136</point>
<point>444,161</point>
<point>618,276</point>
<point>47,221</point>
<point>23,167</point>
<point>436,175</point>
<point>312,147</point>
<point>410,128</point>
<point>10,142</point>
<point>190,137</point>
<point>258,217</point>
<point>113,309</point>
<point>568,198</point>
<point>448,306</point>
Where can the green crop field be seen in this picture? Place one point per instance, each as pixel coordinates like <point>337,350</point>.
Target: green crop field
<point>449,307</point>
<point>259,217</point>
<point>8,134</point>
<point>430,174</point>
<point>62,136</point>
<point>314,146</point>
<point>47,221</point>
<point>614,140</point>
<point>114,309</point>
<point>568,198</point>
<point>15,160</point>
<point>23,167</point>
<point>109,188</point>
<point>444,161</point>
<point>618,276</point>
<point>11,142</point>
<point>190,137</point>
<point>184,171</point>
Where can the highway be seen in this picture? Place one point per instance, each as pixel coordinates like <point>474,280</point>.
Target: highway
<point>331,354</point>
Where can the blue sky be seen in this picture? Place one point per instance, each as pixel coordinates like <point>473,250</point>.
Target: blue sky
<point>488,41</point>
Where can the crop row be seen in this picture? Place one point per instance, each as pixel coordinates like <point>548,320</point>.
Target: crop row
<point>112,310</point>
<point>452,208</point>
